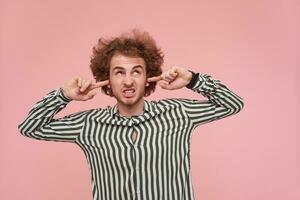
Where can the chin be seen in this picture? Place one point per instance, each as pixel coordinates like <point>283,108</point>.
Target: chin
<point>129,101</point>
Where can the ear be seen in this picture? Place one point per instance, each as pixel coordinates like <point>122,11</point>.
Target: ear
<point>147,84</point>
<point>109,92</point>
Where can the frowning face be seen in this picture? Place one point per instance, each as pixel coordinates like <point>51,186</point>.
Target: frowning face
<point>127,78</point>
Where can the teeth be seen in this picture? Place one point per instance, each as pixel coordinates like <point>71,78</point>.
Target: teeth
<point>129,90</point>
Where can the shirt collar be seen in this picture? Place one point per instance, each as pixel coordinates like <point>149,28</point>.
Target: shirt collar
<point>151,109</point>
<point>147,108</point>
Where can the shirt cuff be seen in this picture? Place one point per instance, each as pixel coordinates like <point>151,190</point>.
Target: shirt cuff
<point>194,80</point>
<point>62,97</point>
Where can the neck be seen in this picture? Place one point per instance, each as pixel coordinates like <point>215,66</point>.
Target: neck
<point>131,110</point>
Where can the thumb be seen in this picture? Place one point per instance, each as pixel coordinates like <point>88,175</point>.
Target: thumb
<point>90,94</point>
<point>166,86</point>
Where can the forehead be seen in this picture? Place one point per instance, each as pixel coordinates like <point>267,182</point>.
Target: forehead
<point>126,62</point>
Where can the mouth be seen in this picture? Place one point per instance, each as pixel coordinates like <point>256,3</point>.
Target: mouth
<point>128,92</point>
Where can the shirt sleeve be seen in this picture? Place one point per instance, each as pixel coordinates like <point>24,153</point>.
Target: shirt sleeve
<point>221,102</point>
<point>40,123</point>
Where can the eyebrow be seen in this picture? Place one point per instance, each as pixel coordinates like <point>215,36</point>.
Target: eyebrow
<point>122,68</point>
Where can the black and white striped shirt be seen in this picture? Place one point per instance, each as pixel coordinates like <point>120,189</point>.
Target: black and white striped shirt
<point>156,165</point>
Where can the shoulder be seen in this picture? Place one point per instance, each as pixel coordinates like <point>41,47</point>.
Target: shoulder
<point>91,112</point>
<point>172,102</point>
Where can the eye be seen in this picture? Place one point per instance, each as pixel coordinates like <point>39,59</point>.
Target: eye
<point>136,72</point>
<point>119,72</point>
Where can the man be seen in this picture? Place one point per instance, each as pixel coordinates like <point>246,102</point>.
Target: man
<point>135,149</point>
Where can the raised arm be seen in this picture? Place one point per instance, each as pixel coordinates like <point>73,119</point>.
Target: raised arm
<point>40,123</point>
<point>221,102</point>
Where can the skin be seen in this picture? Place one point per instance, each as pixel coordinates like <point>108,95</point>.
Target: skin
<point>127,81</point>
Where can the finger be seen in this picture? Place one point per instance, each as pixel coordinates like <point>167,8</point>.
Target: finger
<point>172,73</point>
<point>168,76</point>
<point>100,84</point>
<point>79,82</point>
<point>166,86</point>
<point>89,95</point>
<point>174,70</point>
<point>154,79</point>
<point>85,85</point>
<point>168,79</point>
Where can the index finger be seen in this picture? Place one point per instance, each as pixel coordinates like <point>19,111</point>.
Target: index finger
<point>100,84</point>
<point>154,79</point>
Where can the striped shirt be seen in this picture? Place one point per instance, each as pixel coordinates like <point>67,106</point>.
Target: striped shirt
<point>156,165</point>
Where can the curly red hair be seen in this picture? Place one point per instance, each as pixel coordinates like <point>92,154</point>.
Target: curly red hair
<point>134,43</point>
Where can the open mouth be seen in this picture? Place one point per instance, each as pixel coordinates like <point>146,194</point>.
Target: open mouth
<point>129,92</point>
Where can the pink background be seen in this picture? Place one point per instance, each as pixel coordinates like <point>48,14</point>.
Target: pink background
<point>252,46</point>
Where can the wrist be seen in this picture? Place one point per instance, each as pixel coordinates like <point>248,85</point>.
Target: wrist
<point>193,80</point>
<point>189,76</point>
<point>65,94</point>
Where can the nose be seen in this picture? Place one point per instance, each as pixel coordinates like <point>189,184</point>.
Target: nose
<point>128,81</point>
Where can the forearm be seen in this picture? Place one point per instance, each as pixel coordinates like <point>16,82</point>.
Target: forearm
<point>216,92</point>
<point>37,123</point>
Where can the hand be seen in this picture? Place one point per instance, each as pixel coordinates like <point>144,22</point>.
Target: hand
<point>81,90</point>
<point>174,78</point>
